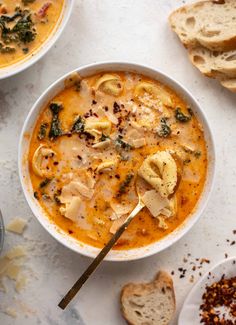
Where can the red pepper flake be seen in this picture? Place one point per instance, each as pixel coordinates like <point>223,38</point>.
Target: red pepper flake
<point>219,294</point>
<point>184,200</point>
<point>116,108</point>
<point>204,260</point>
<point>43,11</point>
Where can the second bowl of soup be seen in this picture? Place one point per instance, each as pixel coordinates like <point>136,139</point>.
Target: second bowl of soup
<point>96,135</point>
<point>28,28</point>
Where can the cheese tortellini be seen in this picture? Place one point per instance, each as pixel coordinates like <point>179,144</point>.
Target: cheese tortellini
<point>109,84</point>
<point>160,171</point>
<point>42,160</point>
<point>153,91</point>
<point>97,127</point>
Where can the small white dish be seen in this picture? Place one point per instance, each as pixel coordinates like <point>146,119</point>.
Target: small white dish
<point>55,231</point>
<point>190,310</point>
<point>21,65</point>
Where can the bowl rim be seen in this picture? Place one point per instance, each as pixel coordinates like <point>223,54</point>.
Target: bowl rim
<point>166,241</point>
<point>43,49</point>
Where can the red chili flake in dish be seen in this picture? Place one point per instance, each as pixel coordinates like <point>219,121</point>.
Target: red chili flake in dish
<point>204,260</point>
<point>43,11</point>
<point>116,108</point>
<point>219,294</point>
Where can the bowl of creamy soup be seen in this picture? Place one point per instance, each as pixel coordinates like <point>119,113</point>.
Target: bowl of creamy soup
<point>100,134</point>
<point>28,29</point>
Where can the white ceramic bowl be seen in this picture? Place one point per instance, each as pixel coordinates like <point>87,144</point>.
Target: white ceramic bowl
<point>13,69</point>
<point>65,239</point>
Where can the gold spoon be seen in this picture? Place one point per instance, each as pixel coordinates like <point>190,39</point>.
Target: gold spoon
<point>92,267</point>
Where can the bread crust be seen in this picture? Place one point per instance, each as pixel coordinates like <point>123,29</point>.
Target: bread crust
<point>210,67</point>
<point>229,84</point>
<point>224,45</point>
<point>129,289</point>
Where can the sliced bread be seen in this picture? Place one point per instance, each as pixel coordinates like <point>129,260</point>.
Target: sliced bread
<point>149,303</point>
<point>214,64</point>
<point>211,24</point>
<point>230,84</point>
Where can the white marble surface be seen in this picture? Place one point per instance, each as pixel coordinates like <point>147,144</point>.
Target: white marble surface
<point>130,30</point>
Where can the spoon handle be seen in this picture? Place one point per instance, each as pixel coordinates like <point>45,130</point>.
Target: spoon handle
<point>92,267</point>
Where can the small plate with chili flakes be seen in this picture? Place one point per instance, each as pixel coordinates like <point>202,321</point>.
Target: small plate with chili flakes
<point>213,299</point>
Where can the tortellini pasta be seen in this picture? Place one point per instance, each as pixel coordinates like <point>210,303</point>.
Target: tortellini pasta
<point>160,171</point>
<point>41,161</point>
<point>153,91</point>
<point>109,84</point>
<point>97,127</point>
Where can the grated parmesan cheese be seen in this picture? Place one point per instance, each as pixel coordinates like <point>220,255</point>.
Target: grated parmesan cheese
<point>16,252</point>
<point>11,266</point>
<point>17,226</point>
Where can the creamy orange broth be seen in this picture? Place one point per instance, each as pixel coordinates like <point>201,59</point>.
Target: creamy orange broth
<point>44,15</point>
<point>75,156</point>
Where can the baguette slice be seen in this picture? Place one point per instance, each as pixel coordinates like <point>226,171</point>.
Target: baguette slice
<point>211,24</point>
<point>230,84</point>
<point>214,64</point>
<point>149,303</point>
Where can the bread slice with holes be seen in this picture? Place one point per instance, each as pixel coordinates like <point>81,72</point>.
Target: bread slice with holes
<point>230,84</point>
<point>149,303</point>
<point>211,24</point>
<point>214,64</point>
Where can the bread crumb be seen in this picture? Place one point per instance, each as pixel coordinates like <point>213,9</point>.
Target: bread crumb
<point>191,280</point>
<point>17,226</point>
